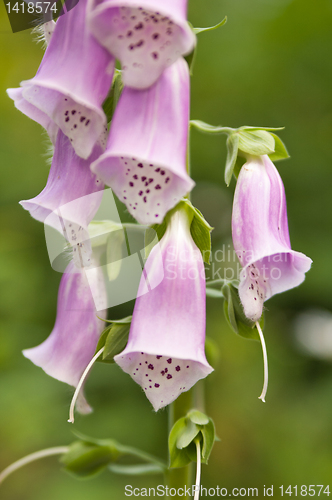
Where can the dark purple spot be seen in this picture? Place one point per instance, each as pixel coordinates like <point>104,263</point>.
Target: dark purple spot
<point>135,177</point>
<point>169,31</point>
<point>129,33</point>
<point>73,112</point>
<point>139,26</point>
<point>140,193</point>
<point>155,36</point>
<point>66,113</point>
<point>140,43</point>
<point>156,385</point>
<point>143,178</point>
<point>157,169</point>
<point>151,367</point>
<point>158,357</point>
<point>150,386</point>
<point>162,172</point>
<point>150,180</point>
<point>147,191</point>
<point>177,368</point>
<point>157,186</point>
<point>162,372</point>
<point>166,180</point>
<point>166,370</point>
<point>154,55</point>
<point>144,199</point>
<point>187,366</point>
<point>75,126</point>
<point>156,215</point>
<point>82,118</point>
<point>169,361</point>
<point>131,184</point>
<point>169,376</point>
<point>131,47</point>
<point>140,165</point>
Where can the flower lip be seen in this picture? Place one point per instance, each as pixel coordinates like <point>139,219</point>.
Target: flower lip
<point>149,190</point>
<point>145,36</point>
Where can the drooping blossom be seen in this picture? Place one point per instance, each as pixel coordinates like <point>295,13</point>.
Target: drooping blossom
<point>71,196</point>
<point>65,354</point>
<point>261,237</point>
<point>165,351</point>
<point>71,84</point>
<point>146,36</point>
<point>145,158</point>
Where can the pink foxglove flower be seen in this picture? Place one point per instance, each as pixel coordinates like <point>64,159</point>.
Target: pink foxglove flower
<point>71,84</point>
<point>145,158</point>
<point>65,354</point>
<point>146,36</point>
<point>261,238</point>
<point>72,194</point>
<point>165,351</point>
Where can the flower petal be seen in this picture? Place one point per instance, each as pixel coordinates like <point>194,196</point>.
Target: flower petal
<point>146,36</point>
<point>71,83</point>
<point>145,158</point>
<point>165,351</point>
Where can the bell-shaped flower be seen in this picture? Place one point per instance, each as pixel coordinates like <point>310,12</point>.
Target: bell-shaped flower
<point>145,158</point>
<point>71,84</point>
<point>165,351</point>
<point>261,237</point>
<point>65,354</point>
<point>146,36</point>
<point>71,196</point>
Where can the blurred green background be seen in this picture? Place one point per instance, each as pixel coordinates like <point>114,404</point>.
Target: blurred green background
<point>270,65</point>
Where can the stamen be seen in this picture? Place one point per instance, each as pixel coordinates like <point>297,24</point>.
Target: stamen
<point>266,370</point>
<point>80,384</point>
<point>198,470</point>
<point>59,450</point>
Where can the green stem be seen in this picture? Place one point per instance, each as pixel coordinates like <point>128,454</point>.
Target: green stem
<point>182,477</point>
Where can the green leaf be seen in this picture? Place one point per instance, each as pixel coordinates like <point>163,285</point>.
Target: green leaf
<point>200,231</point>
<point>201,30</point>
<point>210,129</point>
<point>280,152</point>
<point>99,231</point>
<point>114,254</point>
<point>234,314</point>
<point>212,292</point>
<point>232,151</point>
<point>86,459</point>
<point>209,438</point>
<point>255,142</point>
<point>123,321</point>
<point>113,97</point>
<point>197,417</point>
<point>116,341</point>
<point>187,434</point>
<point>102,341</point>
<point>178,458</point>
<point>136,470</point>
<point>212,351</point>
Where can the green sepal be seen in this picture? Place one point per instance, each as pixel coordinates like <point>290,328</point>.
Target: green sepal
<point>240,161</point>
<point>235,316</point>
<point>114,253</point>
<point>255,142</point>
<point>182,448</point>
<point>232,144</point>
<point>191,58</point>
<point>86,459</point>
<point>200,231</point>
<point>113,97</point>
<point>212,351</point>
<point>210,28</point>
<point>114,339</point>
<point>280,151</point>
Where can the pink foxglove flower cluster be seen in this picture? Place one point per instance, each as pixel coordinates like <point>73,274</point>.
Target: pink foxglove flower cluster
<point>165,351</point>
<point>65,354</point>
<point>261,237</point>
